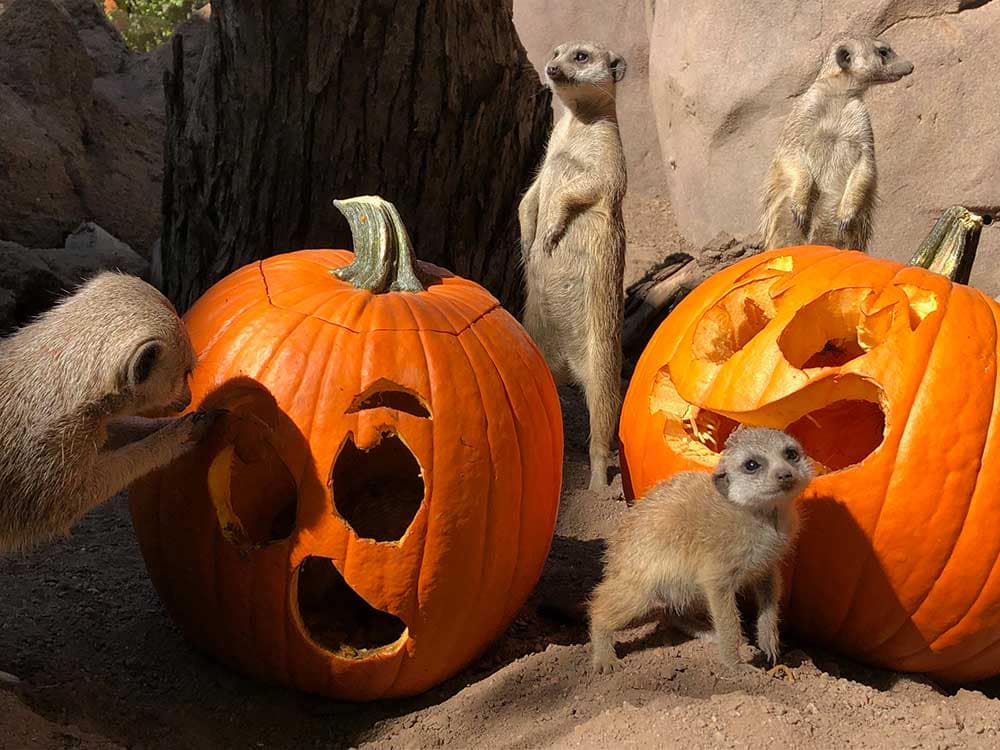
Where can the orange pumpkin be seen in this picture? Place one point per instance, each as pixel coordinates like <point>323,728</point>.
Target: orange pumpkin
<point>381,499</point>
<point>888,375</point>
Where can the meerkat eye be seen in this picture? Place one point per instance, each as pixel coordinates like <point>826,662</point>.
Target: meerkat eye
<point>750,466</point>
<point>581,57</point>
<point>791,454</point>
<point>883,52</point>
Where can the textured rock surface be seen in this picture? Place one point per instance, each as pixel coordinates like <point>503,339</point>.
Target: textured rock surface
<point>81,125</point>
<point>722,76</point>
<point>31,279</point>
<point>621,25</point>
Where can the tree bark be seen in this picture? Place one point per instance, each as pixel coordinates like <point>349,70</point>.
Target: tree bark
<point>649,300</point>
<point>431,104</point>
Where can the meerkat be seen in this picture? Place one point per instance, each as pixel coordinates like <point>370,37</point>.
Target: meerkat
<point>821,187</point>
<point>699,538</point>
<point>573,240</point>
<point>82,391</point>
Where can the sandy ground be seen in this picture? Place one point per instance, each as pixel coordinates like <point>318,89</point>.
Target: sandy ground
<point>105,667</point>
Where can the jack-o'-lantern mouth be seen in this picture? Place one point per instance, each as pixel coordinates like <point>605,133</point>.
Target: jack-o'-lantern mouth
<point>337,619</point>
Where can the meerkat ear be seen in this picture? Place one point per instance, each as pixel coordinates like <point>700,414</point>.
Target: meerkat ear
<point>721,480</point>
<point>844,58</point>
<point>143,360</point>
<point>618,66</point>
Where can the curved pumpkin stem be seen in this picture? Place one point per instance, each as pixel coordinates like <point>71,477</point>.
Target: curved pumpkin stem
<point>950,248</point>
<point>383,253</point>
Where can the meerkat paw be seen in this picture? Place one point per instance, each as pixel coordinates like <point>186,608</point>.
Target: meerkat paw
<point>799,216</point>
<point>844,225</point>
<point>605,664</point>
<point>196,425</point>
<point>769,646</point>
<point>551,238</point>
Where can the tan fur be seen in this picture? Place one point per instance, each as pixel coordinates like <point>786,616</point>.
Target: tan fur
<point>821,187</point>
<point>697,539</point>
<point>76,389</point>
<point>573,240</point>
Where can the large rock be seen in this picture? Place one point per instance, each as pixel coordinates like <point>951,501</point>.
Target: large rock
<point>723,75</point>
<point>32,279</point>
<point>81,124</point>
<point>621,25</point>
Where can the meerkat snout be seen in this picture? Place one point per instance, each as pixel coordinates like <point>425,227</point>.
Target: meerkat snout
<point>867,62</point>
<point>697,539</point>
<point>771,465</point>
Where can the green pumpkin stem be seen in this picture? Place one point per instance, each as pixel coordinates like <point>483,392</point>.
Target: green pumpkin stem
<point>950,248</point>
<point>383,254</point>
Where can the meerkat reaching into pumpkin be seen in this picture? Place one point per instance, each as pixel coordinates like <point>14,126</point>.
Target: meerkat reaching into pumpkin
<point>699,538</point>
<point>573,240</point>
<point>821,187</point>
<point>76,389</point>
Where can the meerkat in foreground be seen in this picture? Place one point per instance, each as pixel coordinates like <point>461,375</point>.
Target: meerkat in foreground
<point>77,389</point>
<point>699,538</point>
<point>573,240</point>
<point>821,187</point>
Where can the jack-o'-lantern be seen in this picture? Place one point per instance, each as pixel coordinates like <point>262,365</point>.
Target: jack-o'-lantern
<point>888,375</point>
<point>380,499</point>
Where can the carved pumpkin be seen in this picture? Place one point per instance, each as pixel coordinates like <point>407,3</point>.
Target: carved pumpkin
<point>381,499</point>
<point>888,376</point>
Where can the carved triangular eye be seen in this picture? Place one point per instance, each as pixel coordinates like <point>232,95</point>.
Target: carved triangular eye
<point>385,393</point>
<point>336,617</point>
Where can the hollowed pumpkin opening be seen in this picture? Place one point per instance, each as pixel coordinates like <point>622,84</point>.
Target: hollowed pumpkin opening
<point>377,491</point>
<point>733,321</point>
<point>385,393</point>
<point>841,434</point>
<point>336,617</point>
<point>830,331</point>
<point>838,435</point>
<point>255,495</point>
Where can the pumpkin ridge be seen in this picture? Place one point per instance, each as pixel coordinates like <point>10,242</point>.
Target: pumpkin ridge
<point>872,558</point>
<point>975,489</point>
<point>990,431</point>
<point>518,442</point>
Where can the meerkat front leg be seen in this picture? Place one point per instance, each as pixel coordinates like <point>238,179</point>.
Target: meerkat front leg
<point>721,596</point>
<point>574,197</point>
<point>125,430</point>
<point>118,468</point>
<point>768,595</point>
<point>857,190</point>
<point>801,185</point>
<point>527,214</point>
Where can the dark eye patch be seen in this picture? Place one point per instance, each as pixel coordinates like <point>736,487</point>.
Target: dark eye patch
<point>792,454</point>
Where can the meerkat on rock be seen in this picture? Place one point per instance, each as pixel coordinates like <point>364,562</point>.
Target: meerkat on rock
<point>77,389</point>
<point>573,240</point>
<point>821,187</point>
<point>697,539</point>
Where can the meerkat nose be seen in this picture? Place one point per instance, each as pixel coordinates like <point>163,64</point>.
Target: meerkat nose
<point>784,476</point>
<point>553,70</point>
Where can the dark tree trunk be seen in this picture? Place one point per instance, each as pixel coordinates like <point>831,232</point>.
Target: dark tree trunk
<point>431,104</point>
<point>649,300</point>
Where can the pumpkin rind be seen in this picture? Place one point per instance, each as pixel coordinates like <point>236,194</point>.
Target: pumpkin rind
<point>897,564</point>
<point>490,453</point>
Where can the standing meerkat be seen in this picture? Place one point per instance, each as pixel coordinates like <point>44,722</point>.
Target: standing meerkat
<point>821,187</point>
<point>77,387</point>
<point>573,240</point>
<point>699,538</point>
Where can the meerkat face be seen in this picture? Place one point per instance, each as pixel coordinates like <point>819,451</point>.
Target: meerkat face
<point>857,63</point>
<point>580,69</point>
<point>761,468</point>
<point>158,371</point>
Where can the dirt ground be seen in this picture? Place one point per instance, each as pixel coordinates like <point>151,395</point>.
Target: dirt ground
<point>106,668</point>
